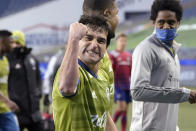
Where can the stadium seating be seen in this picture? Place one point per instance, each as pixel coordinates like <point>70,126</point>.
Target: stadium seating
<point>190,12</point>
<point>8,7</point>
<point>187,1</point>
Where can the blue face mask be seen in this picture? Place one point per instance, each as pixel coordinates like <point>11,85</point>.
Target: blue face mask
<point>166,35</point>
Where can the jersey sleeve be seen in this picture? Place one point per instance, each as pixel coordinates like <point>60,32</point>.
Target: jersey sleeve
<point>80,84</point>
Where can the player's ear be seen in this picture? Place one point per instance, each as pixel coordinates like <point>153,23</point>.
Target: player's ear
<point>153,22</point>
<point>178,24</point>
<point>106,12</point>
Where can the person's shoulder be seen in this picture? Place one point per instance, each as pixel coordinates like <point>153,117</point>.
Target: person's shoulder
<point>103,76</point>
<point>31,56</point>
<point>105,61</point>
<point>114,53</point>
<point>127,53</point>
<point>11,56</point>
<point>106,57</point>
<point>146,44</point>
<point>4,59</point>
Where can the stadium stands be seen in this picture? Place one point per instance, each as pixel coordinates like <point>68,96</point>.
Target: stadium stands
<point>8,7</point>
<point>189,8</point>
<point>190,12</point>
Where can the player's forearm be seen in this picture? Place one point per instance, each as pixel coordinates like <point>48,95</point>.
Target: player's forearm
<point>110,126</point>
<point>160,94</point>
<point>3,98</point>
<point>69,69</point>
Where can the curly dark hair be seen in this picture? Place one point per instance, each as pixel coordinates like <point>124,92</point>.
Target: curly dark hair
<point>97,23</point>
<point>172,5</point>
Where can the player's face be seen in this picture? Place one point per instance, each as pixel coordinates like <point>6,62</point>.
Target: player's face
<point>113,16</point>
<point>121,43</point>
<point>166,20</point>
<point>92,47</point>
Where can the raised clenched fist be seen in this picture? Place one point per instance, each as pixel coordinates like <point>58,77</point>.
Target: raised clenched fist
<point>77,31</point>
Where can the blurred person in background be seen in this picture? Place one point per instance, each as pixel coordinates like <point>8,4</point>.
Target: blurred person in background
<point>121,63</point>
<point>107,9</point>
<point>156,72</point>
<point>52,68</point>
<point>8,121</point>
<point>25,83</point>
<point>53,65</point>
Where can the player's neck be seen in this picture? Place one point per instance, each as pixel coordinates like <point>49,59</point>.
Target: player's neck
<point>171,43</point>
<point>92,67</point>
<point>120,50</point>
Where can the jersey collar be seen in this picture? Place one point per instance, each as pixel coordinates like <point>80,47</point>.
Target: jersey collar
<point>86,68</point>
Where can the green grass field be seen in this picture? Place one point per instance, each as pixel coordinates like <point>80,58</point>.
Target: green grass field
<point>186,121</point>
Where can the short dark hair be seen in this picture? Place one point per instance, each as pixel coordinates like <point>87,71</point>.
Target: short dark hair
<point>5,36</point>
<point>121,35</point>
<point>96,23</point>
<point>97,5</point>
<point>5,33</point>
<point>171,5</point>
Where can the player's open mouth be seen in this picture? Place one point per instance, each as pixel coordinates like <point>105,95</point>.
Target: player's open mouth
<point>92,52</point>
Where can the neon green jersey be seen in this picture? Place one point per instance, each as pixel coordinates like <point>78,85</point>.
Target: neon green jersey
<point>4,71</point>
<point>87,110</point>
<point>106,65</point>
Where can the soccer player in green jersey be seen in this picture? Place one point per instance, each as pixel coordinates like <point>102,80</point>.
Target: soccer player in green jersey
<point>7,118</point>
<point>108,9</point>
<point>81,97</point>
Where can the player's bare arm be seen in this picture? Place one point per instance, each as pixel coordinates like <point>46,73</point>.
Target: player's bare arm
<point>69,67</point>
<point>13,107</point>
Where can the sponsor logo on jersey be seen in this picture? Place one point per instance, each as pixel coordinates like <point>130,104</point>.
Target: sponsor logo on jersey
<point>99,121</point>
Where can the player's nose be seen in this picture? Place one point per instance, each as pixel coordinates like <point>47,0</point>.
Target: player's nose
<point>166,26</point>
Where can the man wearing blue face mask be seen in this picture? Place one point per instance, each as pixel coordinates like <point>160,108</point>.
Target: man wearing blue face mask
<point>156,71</point>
